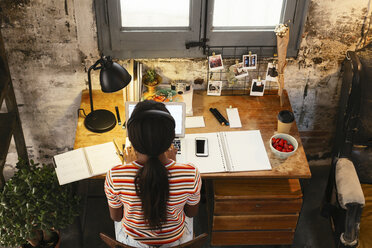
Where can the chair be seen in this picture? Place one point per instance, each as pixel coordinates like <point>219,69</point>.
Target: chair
<point>349,189</point>
<point>195,243</point>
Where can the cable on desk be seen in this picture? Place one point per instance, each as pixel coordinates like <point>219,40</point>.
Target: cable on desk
<point>85,115</point>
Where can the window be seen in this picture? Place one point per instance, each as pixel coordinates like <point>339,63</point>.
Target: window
<point>243,13</point>
<point>152,14</point>
<point>162,28</point>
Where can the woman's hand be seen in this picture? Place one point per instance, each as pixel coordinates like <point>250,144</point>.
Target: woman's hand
<point>129,154</point>
<point>171,152</point>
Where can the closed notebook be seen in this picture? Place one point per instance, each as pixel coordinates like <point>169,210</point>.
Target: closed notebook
<point>229,152</point>
<point>85,162</point>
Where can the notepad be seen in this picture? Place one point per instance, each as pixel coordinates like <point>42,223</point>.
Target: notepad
<point>233,116</point>
<point>229,152</point>
<point>194,121</point>
<point>85,162</point>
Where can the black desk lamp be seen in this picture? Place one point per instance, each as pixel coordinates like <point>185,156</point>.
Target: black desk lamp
<point>113,77</point>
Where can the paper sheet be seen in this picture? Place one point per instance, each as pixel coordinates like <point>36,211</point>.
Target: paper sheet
<point>71,166</point>
<point>233,116</point>
<point>246,151</point>
<point>102,157</point>
<point>194,121</point>
<point>215,162</point>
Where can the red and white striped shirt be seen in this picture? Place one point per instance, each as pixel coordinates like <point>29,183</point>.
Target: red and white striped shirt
<point>184,188</point>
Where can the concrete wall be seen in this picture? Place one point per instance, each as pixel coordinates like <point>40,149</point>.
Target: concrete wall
<point>50,45</point>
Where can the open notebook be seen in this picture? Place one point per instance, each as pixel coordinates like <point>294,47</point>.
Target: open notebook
<point>85,162</point>
<point>229,152</point>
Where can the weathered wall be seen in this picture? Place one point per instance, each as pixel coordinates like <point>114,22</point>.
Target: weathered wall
<point>50,45</point>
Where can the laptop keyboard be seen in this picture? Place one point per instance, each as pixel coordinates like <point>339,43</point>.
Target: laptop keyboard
<point>177,145</point>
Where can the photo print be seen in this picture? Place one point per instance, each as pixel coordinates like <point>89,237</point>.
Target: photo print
<point>215,62</point>
<point>238,70</point>
<point>250,61</point>
<point>214,88</point>
<point>258,87</point>
<point>272,72</point>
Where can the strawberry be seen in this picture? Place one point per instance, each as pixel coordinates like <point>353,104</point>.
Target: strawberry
<point>273,140</point>
<point>291,147</point>
<point>279,148</point>
<point>281,142</point>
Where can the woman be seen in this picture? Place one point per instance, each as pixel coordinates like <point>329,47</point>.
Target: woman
<point>153,196</point>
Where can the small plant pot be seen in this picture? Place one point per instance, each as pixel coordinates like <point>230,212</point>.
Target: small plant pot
<point>55,243</point>
<point>151,91</point>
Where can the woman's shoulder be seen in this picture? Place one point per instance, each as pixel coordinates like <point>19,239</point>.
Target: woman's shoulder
<point>126,167</point>
<point>183,166</point>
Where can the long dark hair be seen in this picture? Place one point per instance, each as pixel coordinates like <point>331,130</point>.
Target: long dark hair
<point>152,133</point>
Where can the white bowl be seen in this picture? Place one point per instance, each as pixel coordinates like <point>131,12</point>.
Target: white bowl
<point>287,137</point>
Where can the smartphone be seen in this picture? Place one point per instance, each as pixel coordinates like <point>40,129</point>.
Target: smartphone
<point>201,147</point>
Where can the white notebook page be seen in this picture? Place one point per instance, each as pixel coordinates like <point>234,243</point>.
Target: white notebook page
<point>102,157</point>
<point>215,162</point>
<point>247,151</point>
<point>71,166</point>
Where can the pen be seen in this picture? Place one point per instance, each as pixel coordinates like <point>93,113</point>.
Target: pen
<point>217,116</point>
<point>222,118</point>
<point>118,115</point>
<point>117,147</point>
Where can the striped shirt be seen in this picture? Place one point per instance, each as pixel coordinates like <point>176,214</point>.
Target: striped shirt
<point>184,188</point>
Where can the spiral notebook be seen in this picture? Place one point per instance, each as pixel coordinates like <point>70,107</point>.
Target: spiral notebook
<point>229,152</point>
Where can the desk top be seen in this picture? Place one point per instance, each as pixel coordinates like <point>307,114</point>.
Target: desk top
<point>256,113</point>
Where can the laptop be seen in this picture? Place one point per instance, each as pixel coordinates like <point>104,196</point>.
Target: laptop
<point>178,112</point>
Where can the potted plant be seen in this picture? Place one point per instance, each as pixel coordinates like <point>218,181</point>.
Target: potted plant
<point>151,79</point>
<point>33,206</point>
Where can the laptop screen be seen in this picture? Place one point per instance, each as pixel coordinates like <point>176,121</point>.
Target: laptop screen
<point>176,109</point>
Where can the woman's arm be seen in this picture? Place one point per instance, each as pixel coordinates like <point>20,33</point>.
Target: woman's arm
<point>116,214</point>
<point>191,210</point>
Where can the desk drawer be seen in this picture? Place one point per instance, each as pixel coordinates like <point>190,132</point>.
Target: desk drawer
<point>252,238</point>
<point>257,189</point>
<point>255,222</point>
<point>240,207</point>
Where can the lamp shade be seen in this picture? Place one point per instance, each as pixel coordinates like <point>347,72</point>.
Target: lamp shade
<point>113,77</point>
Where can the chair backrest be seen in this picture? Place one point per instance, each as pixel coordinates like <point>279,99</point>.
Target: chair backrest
<point>195,243</point>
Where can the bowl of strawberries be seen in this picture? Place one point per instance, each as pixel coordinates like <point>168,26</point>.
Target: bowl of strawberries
<point>283,145</point>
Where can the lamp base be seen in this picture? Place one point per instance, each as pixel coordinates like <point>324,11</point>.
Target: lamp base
<point>100,121</point>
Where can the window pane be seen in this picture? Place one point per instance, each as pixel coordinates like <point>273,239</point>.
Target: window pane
<point>159,13</point>
<point>245,13</point>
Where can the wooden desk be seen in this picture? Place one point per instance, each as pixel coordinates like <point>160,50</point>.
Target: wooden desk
<point>101,100</point>
<point>267,209</point>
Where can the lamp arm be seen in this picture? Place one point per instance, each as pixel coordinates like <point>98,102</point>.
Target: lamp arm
<point>94,67</point>
<point>90,89</point>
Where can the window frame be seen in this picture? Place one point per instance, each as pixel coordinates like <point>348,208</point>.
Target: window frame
<point>123,42</point>
<point>115,41</point>
<point>292,11</point>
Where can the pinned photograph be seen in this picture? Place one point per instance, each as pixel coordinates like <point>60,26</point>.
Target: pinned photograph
<point>250,61</point>
<point>258,87</point>
<point>214,88</point>
<point>215,62</point>
<point>238,70</point>
<point>272,72</point>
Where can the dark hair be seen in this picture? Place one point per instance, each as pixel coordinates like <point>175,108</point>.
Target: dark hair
<point>151,133</point>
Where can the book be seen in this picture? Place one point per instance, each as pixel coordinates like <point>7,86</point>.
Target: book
<point>85,162</point>
<point>231,151</point>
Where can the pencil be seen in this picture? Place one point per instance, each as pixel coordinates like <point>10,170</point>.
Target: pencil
<point>117,147</point>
